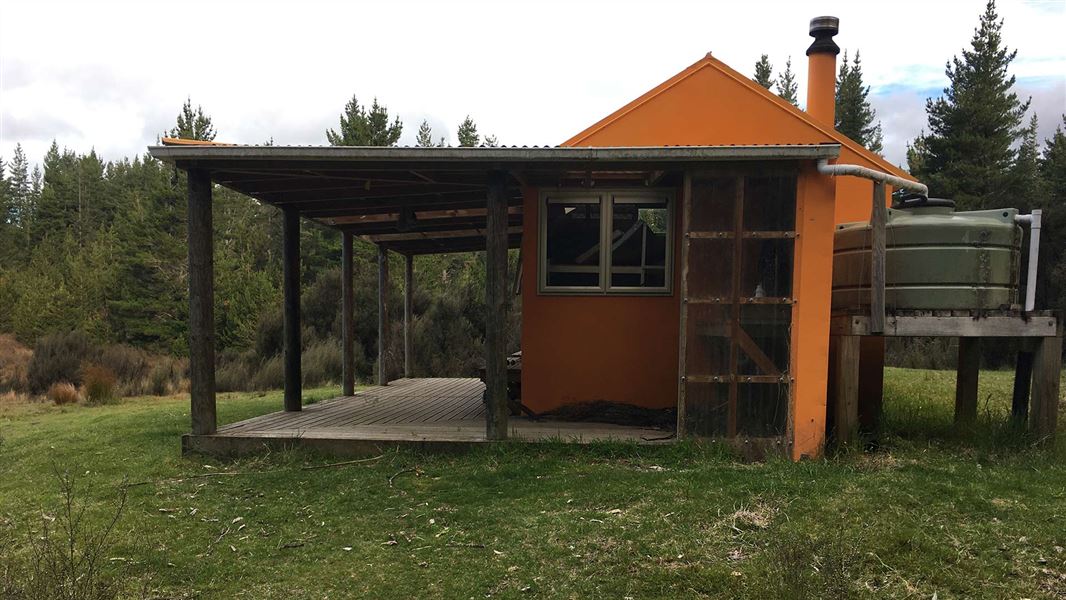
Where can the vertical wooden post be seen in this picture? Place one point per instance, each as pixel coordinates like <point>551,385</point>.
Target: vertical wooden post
<point>496,305</point>
<point>966,376</point>
<point>291,286</point>
<point>1047,368</point>
<point>347,316</point>
<point>878,220</point>
<point>871,384</point>
<point>201,305</point>
<point>846,386</point>
<point>408,291</point>
<point>383,314</point>
<point>1023,378</point>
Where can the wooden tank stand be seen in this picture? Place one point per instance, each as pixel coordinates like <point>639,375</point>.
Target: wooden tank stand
<point>856,365</point>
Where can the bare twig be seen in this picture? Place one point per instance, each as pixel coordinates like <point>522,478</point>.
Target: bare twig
<point>401,472</point>
<point>343,464</point>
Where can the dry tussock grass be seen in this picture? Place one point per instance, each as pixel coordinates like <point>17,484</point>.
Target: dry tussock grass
<point>14,360</point>
<point>63,393</point>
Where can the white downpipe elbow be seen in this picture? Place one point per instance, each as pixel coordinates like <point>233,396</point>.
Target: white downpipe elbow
<point>856,171</point>
<point>1033,220</point>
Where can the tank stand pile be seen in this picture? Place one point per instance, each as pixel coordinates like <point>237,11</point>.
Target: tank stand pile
<point>856,366</point>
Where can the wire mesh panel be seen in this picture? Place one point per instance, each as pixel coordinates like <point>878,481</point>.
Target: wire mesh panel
<point>738,253</point>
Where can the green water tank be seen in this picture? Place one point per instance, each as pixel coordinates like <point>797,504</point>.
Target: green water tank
<point>936,258</point>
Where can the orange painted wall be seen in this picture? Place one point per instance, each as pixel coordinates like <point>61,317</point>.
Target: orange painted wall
<point>625,349</point>
<point>589,348</point>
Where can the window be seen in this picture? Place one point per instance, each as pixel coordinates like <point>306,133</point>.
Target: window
<point>609,242</point>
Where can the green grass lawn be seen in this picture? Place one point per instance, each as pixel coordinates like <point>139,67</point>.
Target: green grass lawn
<point>933,512</point>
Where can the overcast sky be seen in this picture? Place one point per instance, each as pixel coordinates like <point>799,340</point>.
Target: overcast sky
<point>113,75</point>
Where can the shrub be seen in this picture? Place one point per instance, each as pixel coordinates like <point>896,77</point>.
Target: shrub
<point>63,393</point>
<point>14,360</point>
<point>168,376</point>
<point>322,363</point>
<point>270,375</point>
<point>98,384</point>
<point>129,364</point>
<point>270,333</point>
<point>57,357</point>
<point>234,372</point>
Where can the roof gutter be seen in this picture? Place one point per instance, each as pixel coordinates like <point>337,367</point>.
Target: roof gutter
<point>856,171</point>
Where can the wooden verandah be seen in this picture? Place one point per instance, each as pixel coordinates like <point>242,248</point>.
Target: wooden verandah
<point>410,201</point>
<point>420,413</point>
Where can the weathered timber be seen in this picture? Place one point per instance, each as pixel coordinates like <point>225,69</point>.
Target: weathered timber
<point>1023,379</point>
<point>201,305</point>
<point>878,220</point>
<point>347,315</point>
<point>496,307</point>
<point>966,376</point>
<point>846,386</point>
<point>383,315</point>
<point>977,325</point>
<point>871,385</point>
<point>1047,368</point>
<point>291,285</point>
<point>408,293</point>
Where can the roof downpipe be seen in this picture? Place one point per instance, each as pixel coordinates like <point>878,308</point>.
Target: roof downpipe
<point>821,69</point>
<point>866,173</point>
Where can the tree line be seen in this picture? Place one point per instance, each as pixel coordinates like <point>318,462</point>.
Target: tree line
<point>99,247</point>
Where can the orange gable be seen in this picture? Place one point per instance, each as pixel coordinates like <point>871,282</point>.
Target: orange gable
<point>711,104</point>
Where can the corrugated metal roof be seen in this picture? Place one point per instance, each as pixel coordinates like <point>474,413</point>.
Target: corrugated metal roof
<point>511,154</point>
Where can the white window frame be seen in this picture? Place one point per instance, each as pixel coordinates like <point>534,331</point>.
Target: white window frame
<point>606,199</point>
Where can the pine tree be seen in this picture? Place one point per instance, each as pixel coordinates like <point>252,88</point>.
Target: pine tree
<point>764,72</point>
<point>424,139</point>
<point>193,124</point>
<point>787,87</point>
<point>491,141</point>
<point>973,127</point>
<point>359,127</point>
<point>21,194</point>
<point>1028,188</point>
<point>854,115</point>
<point>1051,286</point>
<point>468,136</point>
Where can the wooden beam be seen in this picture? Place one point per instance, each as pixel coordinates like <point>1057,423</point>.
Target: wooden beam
<point>201,305</point>
<point>408,293</point>
<point>383,314</point>
<point>496,307</point>
<point>343,208</point>
<point>347,316</point>
<point>1047,368</point>
<point>966,378</point>
<point>291,286</point>
<point>445,234</point>
<point>949,326</point>
<point>878,220</point>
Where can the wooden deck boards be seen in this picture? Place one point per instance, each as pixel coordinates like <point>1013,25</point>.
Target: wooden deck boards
<point>426,412</point>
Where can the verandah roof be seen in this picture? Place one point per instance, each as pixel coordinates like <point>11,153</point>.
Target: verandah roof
<point>432,200</point>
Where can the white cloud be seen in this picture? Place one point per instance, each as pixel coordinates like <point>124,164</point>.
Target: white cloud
<point>111,75</point>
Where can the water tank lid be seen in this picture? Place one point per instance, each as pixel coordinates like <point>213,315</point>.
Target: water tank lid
<point>918,201</point>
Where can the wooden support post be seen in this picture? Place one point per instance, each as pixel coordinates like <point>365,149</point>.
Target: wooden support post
<point>347,316</point>
<point>871,385</point>
<point>846,386</point>
<point>966,376</point>
<point>408,292</point>
<point>496,306</point>
<point>1023,378</point>
<point>1047,368</point>
<point>291,287</point>
<point>383,314</point>
<point>201,305</point>
<point>878,220</point>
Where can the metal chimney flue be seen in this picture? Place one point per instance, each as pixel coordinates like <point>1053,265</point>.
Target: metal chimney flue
<point>821,69</point>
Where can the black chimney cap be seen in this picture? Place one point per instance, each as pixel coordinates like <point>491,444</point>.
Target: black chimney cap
<point>823,29</point>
